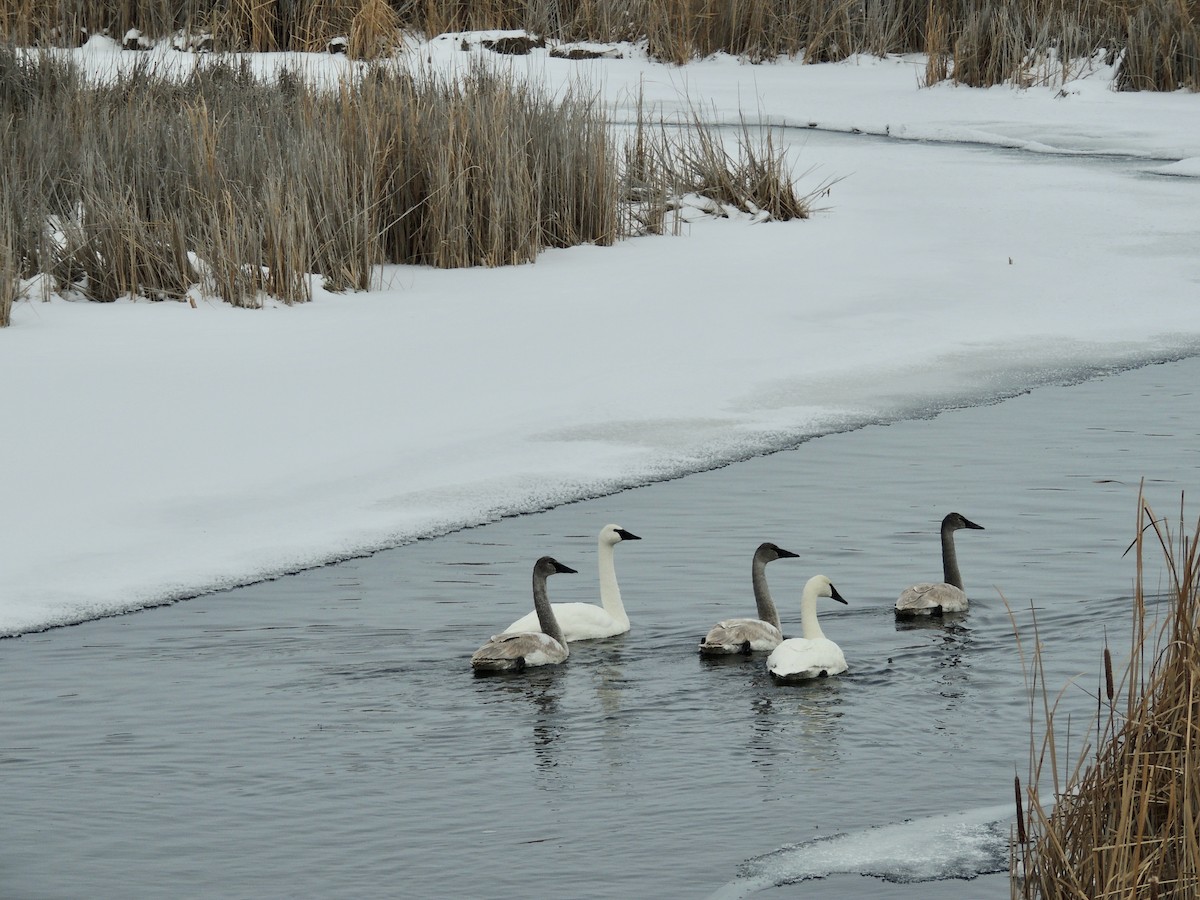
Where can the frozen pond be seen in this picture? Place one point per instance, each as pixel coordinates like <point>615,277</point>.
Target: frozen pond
<point>322,735</point>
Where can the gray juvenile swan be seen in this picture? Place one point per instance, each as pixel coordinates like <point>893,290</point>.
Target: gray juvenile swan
<point>746,635</point>
<point>814,655</point>
<point>586,621</point>
<point>936,598</point>
<point>514,652</point>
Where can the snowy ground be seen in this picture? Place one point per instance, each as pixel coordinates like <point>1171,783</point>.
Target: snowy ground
<point>155,451</point>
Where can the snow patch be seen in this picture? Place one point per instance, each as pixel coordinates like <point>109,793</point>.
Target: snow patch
<point>953,845</point>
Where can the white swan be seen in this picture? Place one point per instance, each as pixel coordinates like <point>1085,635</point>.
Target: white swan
<point>746,635</point>
<point>514,652</point>
<point>587,621</point>
<point>814,655</point>
<point>936,598</point>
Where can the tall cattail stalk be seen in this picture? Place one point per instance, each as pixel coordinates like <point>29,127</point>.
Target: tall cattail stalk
<point>1127,823</point>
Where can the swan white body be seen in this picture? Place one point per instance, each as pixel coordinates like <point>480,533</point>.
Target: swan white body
<point>814,655</point>
<point>935,598</point>
<point>587,621</point>
<point>517,651</point>
<point>749,635</point>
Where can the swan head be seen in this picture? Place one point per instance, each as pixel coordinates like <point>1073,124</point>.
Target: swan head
<point>820,586</point>
<point>548,566</point>
<point>955,521</point>
<point>768,551</point>
<point>614,534</point>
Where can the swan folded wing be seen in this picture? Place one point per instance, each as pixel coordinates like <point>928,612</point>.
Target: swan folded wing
<point>578,621</point>
<point>535,647</point>
<point>503,646</point>
<point>929,596</point>
<point>733,635</point>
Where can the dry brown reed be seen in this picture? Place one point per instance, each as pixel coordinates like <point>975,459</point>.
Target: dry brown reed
<point>375,30</point>
<point>148,187</point>
<point>1127,822</point>
<point>1162,46</point>
<point>751,174</point>
<point>1156,41</point>
<point>9,283</point>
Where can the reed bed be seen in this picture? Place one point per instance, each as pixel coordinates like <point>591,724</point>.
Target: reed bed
<point>1156,43</point>
<point>225,184</point>
<point>8,280</point>
<point>1127,822</point>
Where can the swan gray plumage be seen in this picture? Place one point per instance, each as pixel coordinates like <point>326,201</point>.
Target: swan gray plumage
<point>587,621</point>
<point>514,652</point>
<point>938,597</point>
<point>746,635</point>
<point>814,655</point>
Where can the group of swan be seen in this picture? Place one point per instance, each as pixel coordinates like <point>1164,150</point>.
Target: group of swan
<point>795,659</point>
<point>513,651</point>
<point>586,621</point>
<point>542,637</point>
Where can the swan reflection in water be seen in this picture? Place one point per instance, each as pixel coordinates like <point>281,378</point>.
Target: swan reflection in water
<point>536,695</point>
<point>535,700</point>
<point>798,725</point>
<point>610,685</point>
<point>942,653</point>
<point>949,644</point>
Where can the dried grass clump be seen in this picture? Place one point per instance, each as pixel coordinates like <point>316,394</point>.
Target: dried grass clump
<point>672,173</point>
<point>1000,40</point>
<point>761,30</point>
<point>148,187</point>
<point>374,30</point>
<point>1127,824</point>
<point>67,23</point>
<point>1162,47</point>
<point>991,45</point>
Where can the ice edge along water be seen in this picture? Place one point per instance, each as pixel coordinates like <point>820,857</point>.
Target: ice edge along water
<point>215,476</point>
<point>950,845</point>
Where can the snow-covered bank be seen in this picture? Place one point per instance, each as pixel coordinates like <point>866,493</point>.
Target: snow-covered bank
<point>155,450</point>
<point>866,94</point>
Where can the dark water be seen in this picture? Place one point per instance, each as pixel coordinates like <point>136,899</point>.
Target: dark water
<point>322,735</point>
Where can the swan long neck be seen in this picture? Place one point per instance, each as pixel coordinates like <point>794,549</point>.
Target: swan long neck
<point>545,612</point>
<point>762,593</point>
<point>610,592</point>
<point>950,573</point>
<point>809,626</point>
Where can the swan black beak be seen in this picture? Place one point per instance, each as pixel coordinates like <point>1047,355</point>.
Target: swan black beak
<point>969,524</point>
<point>559,567</point>
<point>627,535</point>
<point>836,596</point>
<point>787,554</point>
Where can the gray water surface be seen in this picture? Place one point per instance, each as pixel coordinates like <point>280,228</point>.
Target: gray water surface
<point>322,735</point>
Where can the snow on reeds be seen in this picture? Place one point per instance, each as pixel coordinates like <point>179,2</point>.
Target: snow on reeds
<point>243,188</point>
<point>1127,823</point>
<point>1156,41</point>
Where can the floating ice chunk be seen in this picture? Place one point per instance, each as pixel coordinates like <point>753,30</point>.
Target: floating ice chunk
<point>953,845</point>
<point>1188,168</point>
